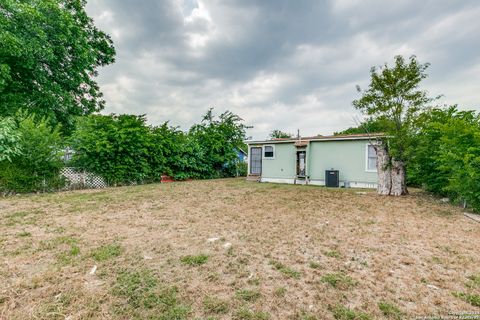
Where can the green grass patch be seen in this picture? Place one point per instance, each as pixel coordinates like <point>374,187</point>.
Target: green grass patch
<point>338,280</point>
<point>145,299</point>
<point>280,292</point>
<point>314,265</point>
<point>287,271</point>
<point>248,295</point>
<point>107,252</point>
<point>214,305</point>
<point>24,234</point>
<point>245,314</point>
<point>390,311</point>
<point>197,260</point>
<point>473,299</point>
<point>343,313</point>
<point>333,254</point>
<point>473,281</point>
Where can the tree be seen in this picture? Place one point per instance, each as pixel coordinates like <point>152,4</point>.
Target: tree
<point>394,98</point>
<point>219,141</point>
<point>117,147</point>
<point>367,126</point>
<point>278,134</point>
<point>447,154</point>
<point>50,51</point>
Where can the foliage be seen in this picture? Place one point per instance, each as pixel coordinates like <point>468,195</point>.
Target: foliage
<point>447,154</point>
<point>218,142</point>
<point>368,126</point>
<point>394,99</point>
<point>124,149</point>
<point>37,166</point>
<point>116,147</point>
<point>278,134</point>
<point>49,54</point>
<point>9,139</point>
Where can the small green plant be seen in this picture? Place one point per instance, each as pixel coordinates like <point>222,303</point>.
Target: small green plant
<point>341,312</point>
<point>24,234</point>
<point>107,252</point>
<point>333,254</point>
<point>289,272</point>
<point>473,281</point>
<point>280,292</point>
<point>338,280</point>
<point>248,295</point>
<point>215,305</point>
<point>194,260</point>
<point>68,257</point>
<point>245,314</point>
<point>473,299</point>
<point>390,311</point>
<point>314,265</point>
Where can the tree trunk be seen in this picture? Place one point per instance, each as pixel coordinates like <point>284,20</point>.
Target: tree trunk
<point>399,183</point>
<point>391,174</point>
<point>384,184</point>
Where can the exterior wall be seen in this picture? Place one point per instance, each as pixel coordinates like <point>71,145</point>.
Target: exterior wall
<point>349,157</point>
<point>283,165</point>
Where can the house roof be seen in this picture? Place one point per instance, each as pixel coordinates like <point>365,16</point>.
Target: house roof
<point>305,140</point>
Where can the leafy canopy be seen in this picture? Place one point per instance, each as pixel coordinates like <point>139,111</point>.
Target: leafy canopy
<point>49,54</point>
<point>394,98</point>
<point>278,134</point>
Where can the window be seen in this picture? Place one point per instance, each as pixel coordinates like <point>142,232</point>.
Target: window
<point>371,158</point>
<point>268,152</point>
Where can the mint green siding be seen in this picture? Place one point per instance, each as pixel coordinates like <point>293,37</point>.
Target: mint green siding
<point>349,157</point>
<point>346,156</point>
<point>283,165</point>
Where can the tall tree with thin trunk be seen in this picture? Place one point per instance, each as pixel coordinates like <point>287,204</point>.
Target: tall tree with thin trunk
<point>395,99</point>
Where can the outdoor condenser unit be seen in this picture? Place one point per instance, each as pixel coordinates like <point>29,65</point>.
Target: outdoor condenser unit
<point>332,179</point>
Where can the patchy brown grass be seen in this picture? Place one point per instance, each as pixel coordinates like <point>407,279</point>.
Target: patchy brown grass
<point>229,249</point>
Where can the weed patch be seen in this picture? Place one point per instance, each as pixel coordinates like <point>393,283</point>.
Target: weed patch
<point>390,310</point>
<point>248,295</point>
<point>343,313</point>
<point>245,314</point>
<point>339,280</point>
<point>194,260</point>
<point>289,272</point>
<point>107,252</point>
<point>146,299</point>
<point>215,305</point>
<point>473,299</point>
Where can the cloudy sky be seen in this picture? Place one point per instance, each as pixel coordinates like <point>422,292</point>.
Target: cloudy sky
<point>279,64</point>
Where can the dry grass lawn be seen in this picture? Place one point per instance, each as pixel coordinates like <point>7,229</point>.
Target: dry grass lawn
<point>231,249</point>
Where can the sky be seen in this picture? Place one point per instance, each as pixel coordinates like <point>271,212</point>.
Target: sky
<point>279,64</point>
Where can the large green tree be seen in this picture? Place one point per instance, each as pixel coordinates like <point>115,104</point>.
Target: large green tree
<point>279,134</point>
<point>50,51</point>
<point>394,99</point>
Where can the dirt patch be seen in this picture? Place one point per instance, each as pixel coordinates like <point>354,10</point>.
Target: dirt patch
<point>279,252</point>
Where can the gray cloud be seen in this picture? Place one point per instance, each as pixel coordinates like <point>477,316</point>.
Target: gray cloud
<point>279,64</point>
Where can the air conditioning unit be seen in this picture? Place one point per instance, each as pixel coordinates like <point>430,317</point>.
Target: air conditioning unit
<point>332,179</point>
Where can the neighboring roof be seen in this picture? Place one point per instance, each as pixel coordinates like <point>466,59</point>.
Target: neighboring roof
<point>302,140</point>
<point>242,151</point>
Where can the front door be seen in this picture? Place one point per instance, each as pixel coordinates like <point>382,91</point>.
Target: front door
<point>256,160</point>
<point>301,163</point>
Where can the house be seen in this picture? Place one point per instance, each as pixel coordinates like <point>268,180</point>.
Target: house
<point>242,155</point>
<point>336,161</point>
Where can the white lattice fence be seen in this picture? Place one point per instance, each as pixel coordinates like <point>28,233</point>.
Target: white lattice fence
<point>81,179</point>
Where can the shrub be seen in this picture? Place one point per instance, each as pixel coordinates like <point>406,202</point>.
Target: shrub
<point>37,165</point>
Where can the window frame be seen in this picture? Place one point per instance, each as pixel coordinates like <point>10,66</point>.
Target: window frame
<point>367,157</point>
<point>263,152</point>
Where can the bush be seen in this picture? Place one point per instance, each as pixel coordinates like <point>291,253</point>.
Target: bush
<point>446,157</point>
<point>37,166</point>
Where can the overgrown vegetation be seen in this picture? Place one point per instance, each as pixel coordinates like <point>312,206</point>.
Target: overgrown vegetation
<point>34,162</point>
